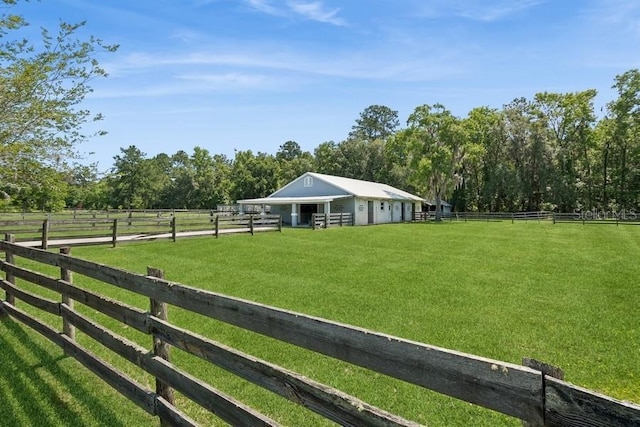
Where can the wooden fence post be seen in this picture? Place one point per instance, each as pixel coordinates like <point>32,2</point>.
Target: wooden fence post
<point>10,298</point>
<point>217,225</point>
<point>546,369</point>
<point>326,220</point>
<point>173,228</point>
<point>280,223</point>
<point>67,328</point>
<point>251,224</point>
<point>114,235</point>
<point>160,348</point>
<point>45,234</point>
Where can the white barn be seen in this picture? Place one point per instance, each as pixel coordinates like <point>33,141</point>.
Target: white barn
<point>368,202</point>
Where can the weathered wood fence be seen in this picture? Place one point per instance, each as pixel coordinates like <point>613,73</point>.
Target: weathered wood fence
<point>518,391</point>
<point>331,220</point>
<point>588,217</point>
<point>90,231</point>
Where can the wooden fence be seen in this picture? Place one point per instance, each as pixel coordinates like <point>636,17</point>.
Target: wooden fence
<point>90,231</point>
<point>518,391</point>
<point>588,217</point>
<point>331,220</point>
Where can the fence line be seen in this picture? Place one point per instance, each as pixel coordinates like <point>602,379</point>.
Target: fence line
<point>91,231</point>
<point>331,220</point>
<point>514,390</point>
<point>588,217</point>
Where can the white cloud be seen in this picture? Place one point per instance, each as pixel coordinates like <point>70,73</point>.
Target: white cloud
<point>311,10</point>
<point>616,14</point>
<point>265,6</point>
<point>235,79</point>
<point>317,12</point>
<point>487,10</point>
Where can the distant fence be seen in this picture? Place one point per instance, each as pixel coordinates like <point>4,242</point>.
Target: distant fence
<point>331,220</point>
<point>532,395</point>
<point>588,217</point>
<point>100,230</point>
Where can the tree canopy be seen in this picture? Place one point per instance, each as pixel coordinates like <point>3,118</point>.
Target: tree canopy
<point>551,152</point>
<point>42,86</point>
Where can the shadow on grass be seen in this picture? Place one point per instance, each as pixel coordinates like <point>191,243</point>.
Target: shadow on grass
<point>44,393</point>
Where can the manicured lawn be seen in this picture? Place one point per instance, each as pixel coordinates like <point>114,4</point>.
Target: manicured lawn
<point>565,294</point>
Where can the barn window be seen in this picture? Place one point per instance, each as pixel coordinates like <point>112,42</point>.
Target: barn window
<point>308,181</point>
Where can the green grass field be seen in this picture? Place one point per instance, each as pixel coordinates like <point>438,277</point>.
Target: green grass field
<point>565,294</point>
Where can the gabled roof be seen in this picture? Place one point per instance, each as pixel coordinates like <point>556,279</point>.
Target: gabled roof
<point>357,188</point>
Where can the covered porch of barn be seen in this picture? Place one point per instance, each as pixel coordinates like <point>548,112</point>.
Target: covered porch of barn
<point>298,211</point>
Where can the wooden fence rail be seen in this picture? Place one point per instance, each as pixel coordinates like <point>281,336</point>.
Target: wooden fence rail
<point>90,231</point>
<point>331,220</point>
<point>587,217</point>
<point>519,391</point>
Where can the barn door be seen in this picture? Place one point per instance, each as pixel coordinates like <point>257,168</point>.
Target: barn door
<point>370,212</point>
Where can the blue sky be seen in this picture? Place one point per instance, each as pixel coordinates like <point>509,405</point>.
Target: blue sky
<point>231,75</point>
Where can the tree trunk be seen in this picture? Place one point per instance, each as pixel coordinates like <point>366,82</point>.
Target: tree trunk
<point>438,202</point>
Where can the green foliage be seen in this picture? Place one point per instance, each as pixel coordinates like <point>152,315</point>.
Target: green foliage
<point>42,86</point>
<point>437,147</point>
<point>375,122</point>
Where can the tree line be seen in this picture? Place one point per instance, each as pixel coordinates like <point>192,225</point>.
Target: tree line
<point>551,152</point>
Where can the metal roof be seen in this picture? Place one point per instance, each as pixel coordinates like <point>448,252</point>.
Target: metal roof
<point>354,187</point>
<point>288,200</point>
<point>358,188</point>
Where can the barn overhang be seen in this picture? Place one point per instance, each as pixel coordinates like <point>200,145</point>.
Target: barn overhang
<point>295,202</point>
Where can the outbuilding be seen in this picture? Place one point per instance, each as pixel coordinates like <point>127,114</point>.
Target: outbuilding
<point>315,193</point>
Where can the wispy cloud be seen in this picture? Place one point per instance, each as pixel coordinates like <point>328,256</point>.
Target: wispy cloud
<point>487,11</point>
<point>310,10</point>
<point>222,80</point>
<point>369,64</point>
<point>265,6</point>
<point>316,12</point>
<point>619,14</point>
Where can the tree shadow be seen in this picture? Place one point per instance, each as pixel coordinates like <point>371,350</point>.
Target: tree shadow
<point>44,393</point>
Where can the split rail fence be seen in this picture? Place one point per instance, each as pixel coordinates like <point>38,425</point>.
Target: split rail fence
<point>89,231</point>
<point>518,391</point>
<point>331,220</point>
<point>588,217</point>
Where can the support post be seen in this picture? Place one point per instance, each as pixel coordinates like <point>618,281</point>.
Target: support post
<point>251,224</point>
<point>547,370</point>
<point>10,298</point>
<point>217,225</point>
<point>161,348</point>
<point>294,214</point>
<point>45,234</point>
<point>280,223</point>
<point>326,220</point>
<point>173,228</point>
<point>66,275</point>
<point>114,234</point>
